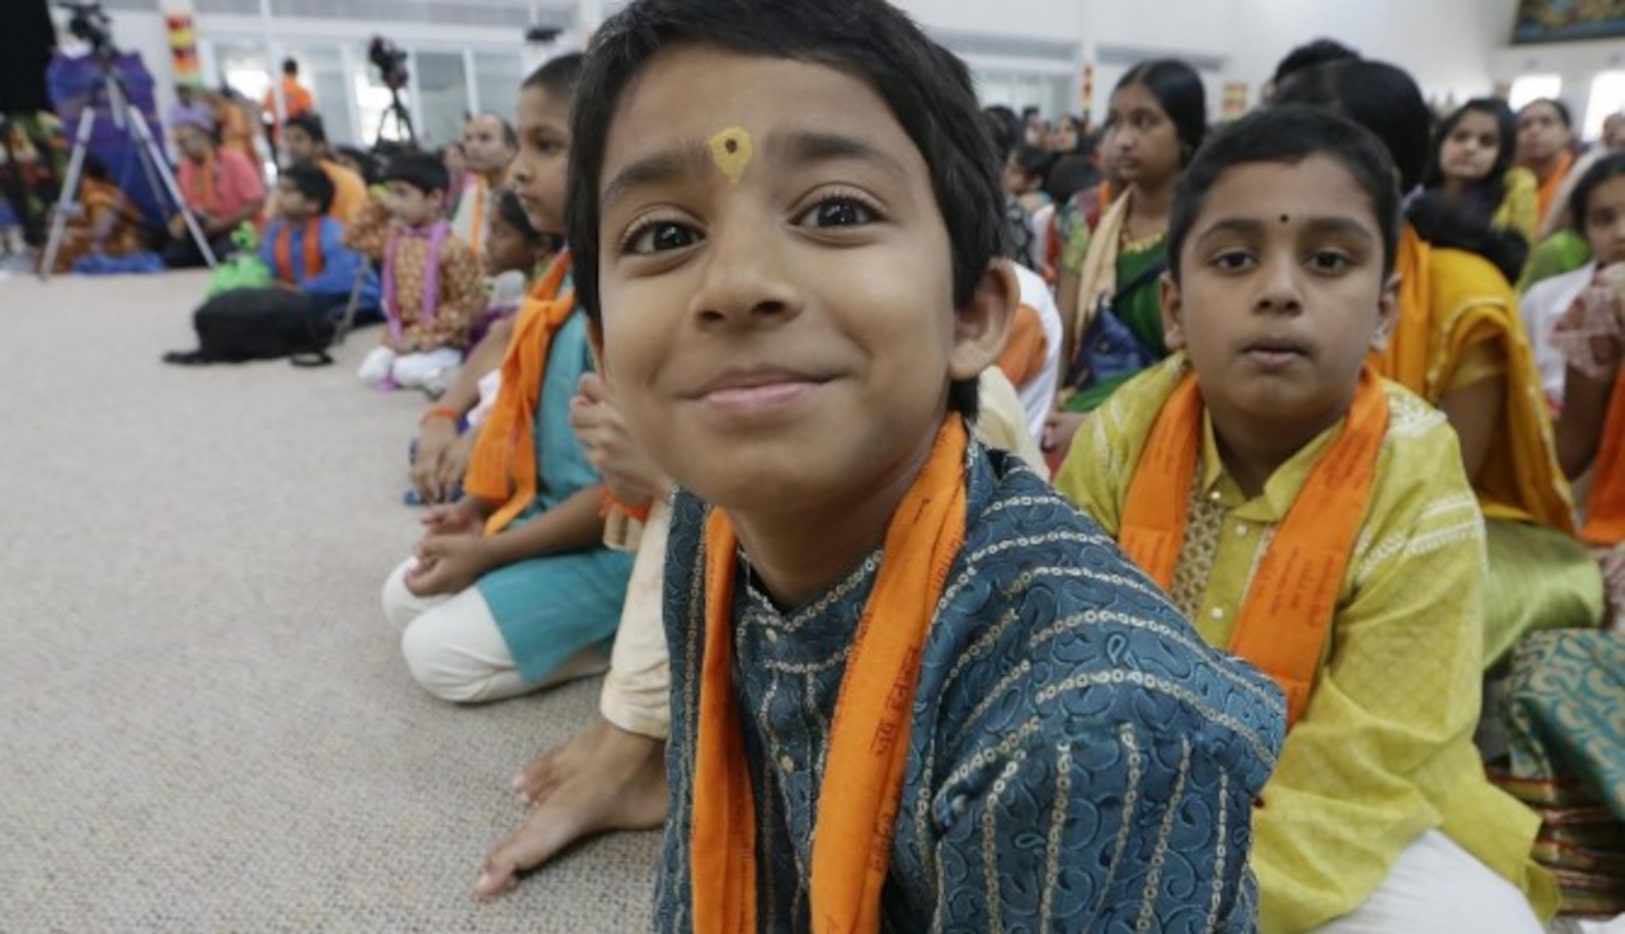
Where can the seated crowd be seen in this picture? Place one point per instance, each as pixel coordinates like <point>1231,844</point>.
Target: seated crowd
<point>751,346</point>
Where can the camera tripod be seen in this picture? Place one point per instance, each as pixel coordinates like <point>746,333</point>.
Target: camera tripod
<point>403,120</point>
<point>110,87</point>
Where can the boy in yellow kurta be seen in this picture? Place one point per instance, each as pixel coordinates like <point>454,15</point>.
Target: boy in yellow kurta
<point>1316,520</point>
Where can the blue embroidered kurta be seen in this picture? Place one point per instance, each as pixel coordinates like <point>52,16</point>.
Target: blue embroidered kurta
<point>1079,759</point>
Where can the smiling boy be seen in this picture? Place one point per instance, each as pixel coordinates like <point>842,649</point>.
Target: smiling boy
<point>910,685</point>
<point>1317,521</point>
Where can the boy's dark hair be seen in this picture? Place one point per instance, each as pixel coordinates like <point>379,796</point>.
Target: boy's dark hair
<point>1313,55</point>
<point>927,89</point>
<point>559,77</point>
<point>1069,175</point>
<point>1445,224</point>
<point>290,67</point>
<point>310,122</point>
<point>1287,135</point>
<point>1380,97</point>
<point>1006,128</point>
<point>1178,90</point>
<point>423,171</point>
<point>1034,161</point>
<point>363,158</point>
<point>513,214</point>
<point>1601,171</point>
<point>1562,109</point>
<point>1484,197</point>
<point>309,180</point>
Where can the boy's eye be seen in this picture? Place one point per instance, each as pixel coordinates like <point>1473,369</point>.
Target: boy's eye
<point>660,237</point>
<point>837,212</point>
<point>1329,261</point>
<point>1232,261</point>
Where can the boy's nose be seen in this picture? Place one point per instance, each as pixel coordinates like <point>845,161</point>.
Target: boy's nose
<point>743,279</point>
<point>1279,291</point>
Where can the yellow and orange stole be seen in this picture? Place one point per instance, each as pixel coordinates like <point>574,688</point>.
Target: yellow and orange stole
<point>1605,508</point>
<point>859,799</point>
<point>1449,302</point>
<point>503,466</point>
<point>1288,611</point>
<point>282,251</point>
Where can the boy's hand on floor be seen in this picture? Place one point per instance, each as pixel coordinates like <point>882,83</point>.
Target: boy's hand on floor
<point>435,439</point>
<point>448,564</point>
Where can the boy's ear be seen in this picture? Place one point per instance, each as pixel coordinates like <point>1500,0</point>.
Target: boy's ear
<point>1387,312</point>
<point>1173,314</point>
<point>982,326</point>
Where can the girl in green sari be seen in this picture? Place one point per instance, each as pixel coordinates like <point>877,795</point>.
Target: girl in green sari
<point>1110,288</point>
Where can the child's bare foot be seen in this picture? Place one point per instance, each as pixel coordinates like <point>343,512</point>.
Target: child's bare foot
<point>603,779</point>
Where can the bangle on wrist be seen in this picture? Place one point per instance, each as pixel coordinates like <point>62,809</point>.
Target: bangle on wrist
<point>440,411</point>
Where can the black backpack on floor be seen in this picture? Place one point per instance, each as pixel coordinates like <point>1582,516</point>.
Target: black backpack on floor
<point>261,324</point>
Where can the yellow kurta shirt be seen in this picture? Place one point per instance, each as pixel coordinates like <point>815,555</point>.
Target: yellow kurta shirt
<point>1385,749</point>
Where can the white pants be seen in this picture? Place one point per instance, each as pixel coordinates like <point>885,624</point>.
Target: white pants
<point>1437,886</point>
<point>408,371</point>
<point>454,649</point>
<point>637,691</point>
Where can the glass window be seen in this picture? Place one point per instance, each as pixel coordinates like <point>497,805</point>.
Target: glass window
<point>321,69</point>
<point>1607,98</point>
<point>1533,87</point>
<point>496,80</point>
<point>442,97</point>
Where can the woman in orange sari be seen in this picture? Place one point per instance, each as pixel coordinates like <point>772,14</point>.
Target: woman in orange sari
<point>1546,148</point>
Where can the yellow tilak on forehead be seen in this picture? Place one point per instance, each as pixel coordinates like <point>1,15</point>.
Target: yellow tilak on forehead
<point>732,149</point>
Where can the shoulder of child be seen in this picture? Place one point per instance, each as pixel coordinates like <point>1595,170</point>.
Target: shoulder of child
<point>1047,621</point>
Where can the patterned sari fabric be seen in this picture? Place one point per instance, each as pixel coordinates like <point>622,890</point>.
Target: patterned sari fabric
<point>1566,731</point>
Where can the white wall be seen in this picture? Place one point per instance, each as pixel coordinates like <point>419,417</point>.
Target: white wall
<point>1454,47</point>
<point>1575,62</point>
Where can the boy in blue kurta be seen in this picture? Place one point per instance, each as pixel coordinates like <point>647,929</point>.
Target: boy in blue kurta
<point>304,248</point>
<point>912,689</point>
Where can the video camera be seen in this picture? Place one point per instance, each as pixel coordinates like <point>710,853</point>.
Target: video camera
<point>390,59</point>
<point>90,24</point>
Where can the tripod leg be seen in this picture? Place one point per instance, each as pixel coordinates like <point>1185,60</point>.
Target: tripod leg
<point>70,188</point>
<point>154,160</point>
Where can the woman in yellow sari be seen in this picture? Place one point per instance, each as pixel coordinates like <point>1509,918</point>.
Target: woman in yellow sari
<point>1460,343</point>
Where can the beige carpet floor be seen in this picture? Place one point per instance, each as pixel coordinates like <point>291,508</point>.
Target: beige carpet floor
<point>204,721</point>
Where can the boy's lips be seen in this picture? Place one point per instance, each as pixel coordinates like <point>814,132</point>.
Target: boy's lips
<point>745,390</point>
<point>1275,352</point>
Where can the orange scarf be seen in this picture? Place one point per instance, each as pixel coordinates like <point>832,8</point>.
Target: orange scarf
<point>1406,358</point>
<point>503,466</point>
<point>1553,183</point>
<point>283,251</point>
<point>868,747</point>
<point>1288,611</point>
<point>1605,509</point>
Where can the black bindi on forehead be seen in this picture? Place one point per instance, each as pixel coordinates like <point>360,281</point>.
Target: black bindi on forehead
<point>1286,218</point>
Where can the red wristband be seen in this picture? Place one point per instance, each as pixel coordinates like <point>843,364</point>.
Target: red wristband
<point>440,411</point>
